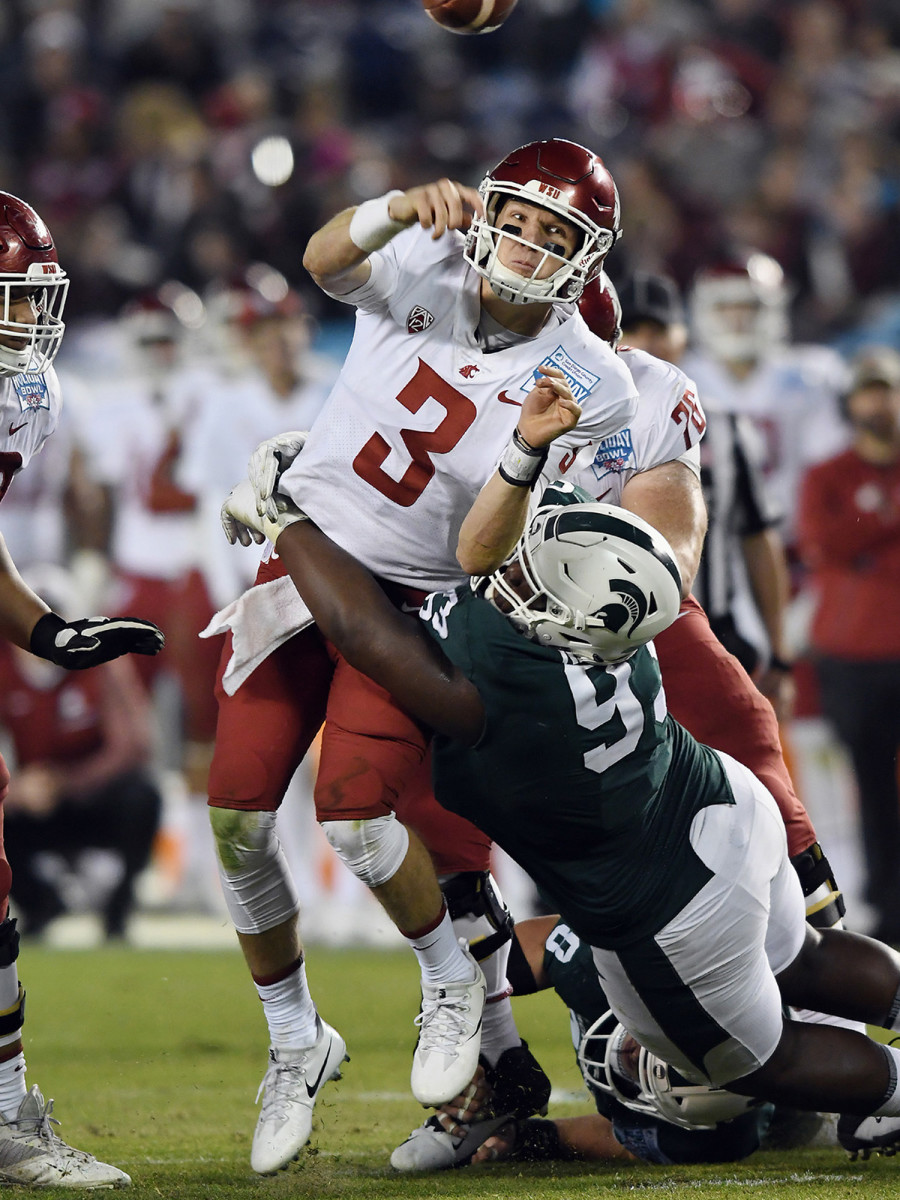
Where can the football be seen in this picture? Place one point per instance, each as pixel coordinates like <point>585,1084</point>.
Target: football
<point>469,16</point>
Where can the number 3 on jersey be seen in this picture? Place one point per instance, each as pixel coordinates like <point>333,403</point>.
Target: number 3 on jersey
<point>460,412</point>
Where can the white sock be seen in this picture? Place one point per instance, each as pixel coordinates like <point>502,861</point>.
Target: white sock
<point>289,1010</point>
<point>12,1070</point>
<point>441,958</point>
<point>498,1028</point>
<point>891,1106</point>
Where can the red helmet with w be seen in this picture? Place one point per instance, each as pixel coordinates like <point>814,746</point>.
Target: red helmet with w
<point>30,335</point>
<point>566,179</point>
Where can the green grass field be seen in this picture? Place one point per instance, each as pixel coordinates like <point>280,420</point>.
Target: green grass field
<point>154,1058</point>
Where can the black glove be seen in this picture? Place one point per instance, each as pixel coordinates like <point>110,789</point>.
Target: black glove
<point>92,640</point>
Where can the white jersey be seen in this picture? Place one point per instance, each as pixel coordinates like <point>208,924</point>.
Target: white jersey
<point>667,426</point>
<point>238,413</point>
<point>136,417</point>
<point>792,399</point>
<point>30,405</point>
<point>421,414</point>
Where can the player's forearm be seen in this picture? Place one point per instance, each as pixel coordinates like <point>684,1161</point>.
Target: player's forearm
<point>590,1137</point>
<point>769,580</point>
<point>395,650</point>
<point>20,608</point>
<point>670,498</point>
<point>492,526</point>
<point>333,259</point>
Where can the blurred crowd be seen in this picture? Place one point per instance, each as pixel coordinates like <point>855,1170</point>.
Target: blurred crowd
<point>183,152</point>
<point>184,139</point>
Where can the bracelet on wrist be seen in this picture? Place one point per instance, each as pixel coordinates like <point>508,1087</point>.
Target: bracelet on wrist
<point>521,463</point>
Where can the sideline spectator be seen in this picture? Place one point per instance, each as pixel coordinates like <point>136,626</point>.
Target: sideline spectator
<point>850,537</point>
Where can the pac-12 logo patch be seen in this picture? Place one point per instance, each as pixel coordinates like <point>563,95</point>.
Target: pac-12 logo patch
<point>418,319</point>
<point>579,378</point>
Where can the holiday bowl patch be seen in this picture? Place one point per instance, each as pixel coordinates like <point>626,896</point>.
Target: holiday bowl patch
<point>32,392</point>
<point>581,381</point>
<point>613,454</point>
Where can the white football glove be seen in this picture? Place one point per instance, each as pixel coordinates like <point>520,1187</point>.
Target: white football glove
<point>242,523</point>
<point>267,463</point>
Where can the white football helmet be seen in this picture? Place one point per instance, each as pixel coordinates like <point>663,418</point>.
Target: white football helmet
<point>612,1062</point>
<point>29,267</point>
<point>564,178</point>
<point>739,309</point>
<point>601,581</point>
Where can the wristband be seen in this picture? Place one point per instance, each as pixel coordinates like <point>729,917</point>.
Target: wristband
<point>372,226</point>
<point>780,664</point>
<point>42,642</point>
<point>521,464</point>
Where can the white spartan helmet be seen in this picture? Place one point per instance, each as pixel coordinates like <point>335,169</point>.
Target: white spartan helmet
<point>611,1061</point>
<point>602,581</point>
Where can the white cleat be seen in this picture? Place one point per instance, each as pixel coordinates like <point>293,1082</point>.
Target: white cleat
<point>289,1090</point>
<point>449,1039</point>
<point>432,1147</point>
<point>33,1155</point>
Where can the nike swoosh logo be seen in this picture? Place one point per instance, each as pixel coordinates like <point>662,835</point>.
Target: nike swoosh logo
<point>505,398</point>
<point>409,608</point>
<point>15,428</point>
<point>311,1090</point>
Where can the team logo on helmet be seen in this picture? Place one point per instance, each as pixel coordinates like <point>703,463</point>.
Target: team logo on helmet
<point>418,319</point>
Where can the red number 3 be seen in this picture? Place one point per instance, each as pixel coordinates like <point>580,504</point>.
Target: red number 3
<point>421,444</point>
<point>687,412</point>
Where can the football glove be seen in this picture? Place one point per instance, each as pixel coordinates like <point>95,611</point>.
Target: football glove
<point>242,522</point>
<point>92,640</point>
<point>267,463</point>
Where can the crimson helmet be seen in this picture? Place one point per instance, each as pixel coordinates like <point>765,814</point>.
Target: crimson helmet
<point>739,308</point>
<point>28,267</point>
<point>164,314</point>
<point>258,293</point>
<point>599,306</point>
<point>612,1062</point>
<point>566,179</point>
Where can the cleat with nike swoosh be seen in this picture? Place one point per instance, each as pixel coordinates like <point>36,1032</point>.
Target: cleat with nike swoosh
<point>289,1090</point>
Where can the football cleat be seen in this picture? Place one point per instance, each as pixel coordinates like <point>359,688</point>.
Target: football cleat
<point>432,1147</point>
<point>449,1039</point>
<point>289,1090</point>
<point>33,1155</point>
<point>863,1135</point>
<point>519,1088</point>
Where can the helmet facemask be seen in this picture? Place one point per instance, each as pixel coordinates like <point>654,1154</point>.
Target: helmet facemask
<point>567,281</point>
<point>36,343</point>
<point>613,1062</point>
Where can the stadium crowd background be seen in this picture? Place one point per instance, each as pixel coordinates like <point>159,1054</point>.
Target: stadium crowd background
<point>189,139</point>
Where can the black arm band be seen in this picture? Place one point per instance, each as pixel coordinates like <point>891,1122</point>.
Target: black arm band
<point>538,1141</point>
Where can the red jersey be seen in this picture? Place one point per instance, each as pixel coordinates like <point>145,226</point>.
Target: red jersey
<point>849,534</point>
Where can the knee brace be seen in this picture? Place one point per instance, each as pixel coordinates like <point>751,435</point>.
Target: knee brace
<point>257,885</point>
<point>824,903</point>
<point>478,911</point>
<point>373,850</point>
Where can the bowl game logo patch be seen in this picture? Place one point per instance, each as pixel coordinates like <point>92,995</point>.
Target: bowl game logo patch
<point>613,454</point>
<point>579,378</point>
<point>32,392</point>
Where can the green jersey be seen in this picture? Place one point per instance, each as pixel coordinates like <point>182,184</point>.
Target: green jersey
<point>580,774</point>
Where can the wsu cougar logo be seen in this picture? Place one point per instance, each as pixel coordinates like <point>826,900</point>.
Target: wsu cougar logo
<point>418,319</point>
<point>469,370</point>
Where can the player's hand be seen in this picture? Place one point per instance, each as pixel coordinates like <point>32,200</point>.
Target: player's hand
<point>268,462</point>
<point>549,410</point>
<point>437,206</point>
<point>466,1107</point>
<point>242,523</point>
<point>93,640</point>
<point>498,1146</point>
<point>780,690</point>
